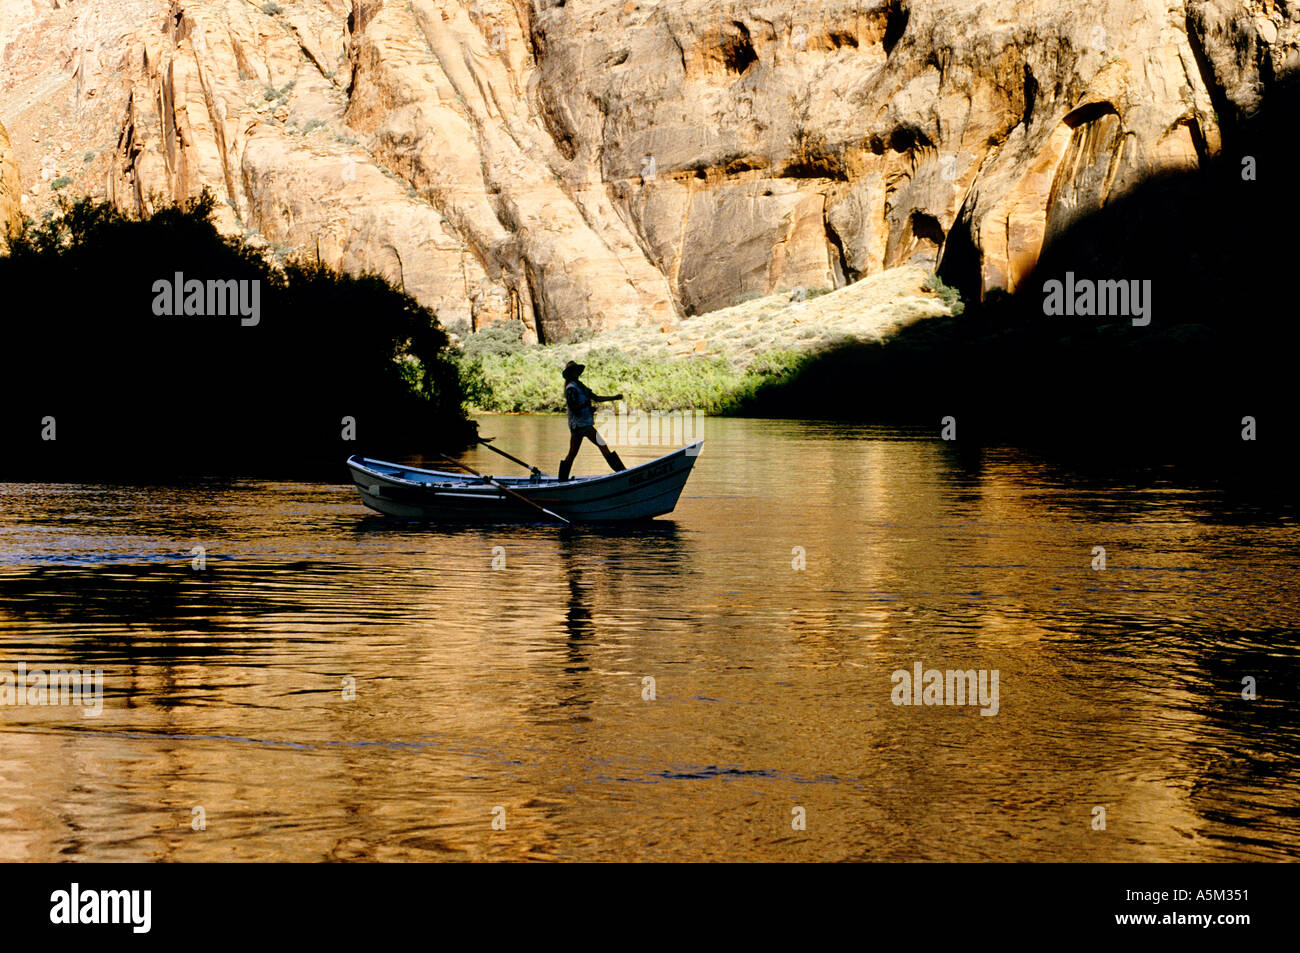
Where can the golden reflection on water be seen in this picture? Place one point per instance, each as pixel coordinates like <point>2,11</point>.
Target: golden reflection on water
<point>522,687</point>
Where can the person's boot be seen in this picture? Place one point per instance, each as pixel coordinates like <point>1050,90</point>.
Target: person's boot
<point>614,462</point>
<point>565,467</point>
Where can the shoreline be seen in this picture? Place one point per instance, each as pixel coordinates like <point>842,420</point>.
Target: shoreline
<point>713,362</point>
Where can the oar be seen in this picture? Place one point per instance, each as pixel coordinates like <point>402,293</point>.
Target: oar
<point>487,442</point>
<point>504,489</point>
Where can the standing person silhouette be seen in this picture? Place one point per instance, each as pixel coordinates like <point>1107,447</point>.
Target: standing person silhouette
<point>581,401</point>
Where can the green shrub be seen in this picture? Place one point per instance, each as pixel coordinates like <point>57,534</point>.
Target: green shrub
<point>62,182</point>
<point>506,337</point>
<point>281,94</point>
<point>951,296</point>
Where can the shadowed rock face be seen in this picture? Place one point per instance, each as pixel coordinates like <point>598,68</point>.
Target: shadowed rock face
<point>618,162</point>
<point>9,187</point>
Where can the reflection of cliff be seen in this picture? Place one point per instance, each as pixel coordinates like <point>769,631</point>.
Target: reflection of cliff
<point>605,163</point>
<point>1111,678</point>
<point>521,686</point>
<point>223,688</point>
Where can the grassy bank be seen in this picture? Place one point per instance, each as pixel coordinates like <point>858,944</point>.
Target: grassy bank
<point>527,380</point>
<point>718,363</point>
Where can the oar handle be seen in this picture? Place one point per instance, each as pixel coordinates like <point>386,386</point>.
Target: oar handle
<point>485,441</point>
<point>504,489</point>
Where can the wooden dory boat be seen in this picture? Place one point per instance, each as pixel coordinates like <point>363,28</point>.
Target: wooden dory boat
<point>640,492</point>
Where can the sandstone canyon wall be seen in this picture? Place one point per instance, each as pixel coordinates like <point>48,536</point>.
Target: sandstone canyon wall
<point>600,163</point>
<point>10,186</point>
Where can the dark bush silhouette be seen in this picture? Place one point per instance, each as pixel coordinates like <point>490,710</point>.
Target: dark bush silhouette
<point>1219,251</point>
<point>133,392</point>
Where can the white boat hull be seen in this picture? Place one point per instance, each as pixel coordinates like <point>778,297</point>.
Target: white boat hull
<point>638,493</point>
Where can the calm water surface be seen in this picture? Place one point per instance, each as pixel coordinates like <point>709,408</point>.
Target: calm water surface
<point>522,687</point>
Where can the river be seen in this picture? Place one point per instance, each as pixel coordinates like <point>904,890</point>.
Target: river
<point>320,683</point>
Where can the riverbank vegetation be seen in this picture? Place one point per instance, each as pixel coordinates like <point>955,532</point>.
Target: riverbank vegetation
<point>160,346</point>
<point>717,363</point>
<point>519,378</point>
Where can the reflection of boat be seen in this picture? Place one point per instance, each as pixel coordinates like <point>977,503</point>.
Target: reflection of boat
<point>650,489</point>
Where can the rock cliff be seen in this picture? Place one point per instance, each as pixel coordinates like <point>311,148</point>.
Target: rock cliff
<point>608,163</point>
<point>10,214</point>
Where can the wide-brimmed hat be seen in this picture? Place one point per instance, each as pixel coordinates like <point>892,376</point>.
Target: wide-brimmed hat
<point>573,369</point>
